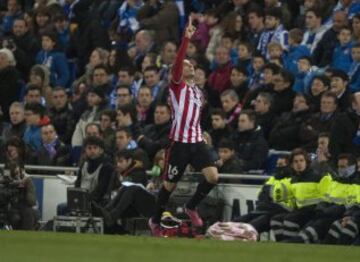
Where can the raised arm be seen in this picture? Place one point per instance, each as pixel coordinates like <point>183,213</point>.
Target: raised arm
<point>178,65</point>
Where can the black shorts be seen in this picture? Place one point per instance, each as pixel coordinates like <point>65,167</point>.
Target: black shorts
<point>179,155</point>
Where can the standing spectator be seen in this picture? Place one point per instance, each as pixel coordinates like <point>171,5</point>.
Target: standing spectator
<point>162,17</point>
<point>17,122</point>
<point>256,25</point>
<point>54,60</point>
<point>315,30</point>
<point>62,115</point>
<point>52,151</point>
<point>354,72</point>
<point>250,144</point>
<point>305,74</point>
<point>9,81</point>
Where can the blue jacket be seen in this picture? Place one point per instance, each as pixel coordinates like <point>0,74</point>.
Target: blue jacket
<point>293,56</point>
<point>303,81</point>
<point>8,21</point>
<point>342,57</point>
<point>58,66</point>
<point>354,76</point>
<point>32,137</point>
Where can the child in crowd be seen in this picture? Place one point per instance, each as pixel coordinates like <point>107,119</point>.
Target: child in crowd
<point>244,52</point>
<point>354,73</point>
<point>257,63</point>
<point>306,72</point>
<point>341,58</point>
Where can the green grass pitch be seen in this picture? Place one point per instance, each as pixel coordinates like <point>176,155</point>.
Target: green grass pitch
<point>65,247</point>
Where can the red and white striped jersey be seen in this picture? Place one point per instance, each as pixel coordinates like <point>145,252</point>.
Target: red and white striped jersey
<point>186,102</point>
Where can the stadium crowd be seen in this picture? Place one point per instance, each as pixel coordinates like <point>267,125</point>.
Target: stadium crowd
<point>84,83</point>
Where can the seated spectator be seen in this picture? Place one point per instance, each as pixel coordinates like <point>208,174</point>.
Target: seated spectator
<point>239,81</point>
<point>62,28</point>
<point>354,72</point>
<point>220,129</point>
<point>231,106</point>
<point>128,189</point>
<point>13,12</point>
<point>229,163</point>
<point>33,95</point>
<point>275,52</point>
<point>144,43</point>
<point>257,64</point>
<point>52,151</point>
<point>9,81</point>
<point>124,139</point>
<point>338,85</point>
<point>155,136</point>
<point>341,58</point>
<point>40,77</point>
<point>306,71</point>
<point>100,78</point>
<point>219,79</point>
<point>274,31</point>
<point>319,122</point>
<point>54,60</point>
<point>96,101</point>
<point>107,127</point>
<point>286,133</point>
<point>250,144</point>
<point>15,150</point>
<point>322,162</point>
<point>345,135</point>
<point>62,115</point>
<point>35,118</point>
<point>264,116</point>
<point>123,96</point>
<point>144,107</point>
<point>95,173</point>
<point>282,92</point>
<point>17,122</point>
<point>157,86</point>
<point>315,29</point>
<point>126,117</point>
<point>244,54</point>
<point>166,59</point>
<point>319,85</point>
<point>296,50</point>
<point>256,25</point>
<point>126,77</point>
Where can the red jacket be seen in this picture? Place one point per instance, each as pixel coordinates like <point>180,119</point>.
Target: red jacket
<point>219,80</point>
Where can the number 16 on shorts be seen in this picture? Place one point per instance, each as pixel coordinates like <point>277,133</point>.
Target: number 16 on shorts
<point>173,171</point>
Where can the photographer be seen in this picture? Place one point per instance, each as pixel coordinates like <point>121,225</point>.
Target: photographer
<point>19,192</point>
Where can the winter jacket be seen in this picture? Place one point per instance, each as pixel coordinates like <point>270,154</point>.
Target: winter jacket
<point>10,87</point>
<point>341,58</point>
<point>293,56</point>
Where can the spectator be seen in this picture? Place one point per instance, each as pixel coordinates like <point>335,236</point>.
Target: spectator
<point>338,85</point>
<point>52,151</point>
<point>55,61</point>
<point>257,63</point>
<point>239,81</point>
<point>250,145</point>
<point>155,136</point>
<point>9,81</point>
<point>41,22</point>
<point>341,58</point>
<point>274,31</point>
<point>144,106</point>
<point>95,173</point>
<point>228,161</point>
<point>356,27</point>
<point>13,12</point>
<point>162,17</point>
<point>40,77</point>
<point>126,117</point>
<point>264,116</point>
<point>306,71</point>
<point>244,54</point>
<point>286,133</point>
<point>144,42</point>
<point>62,28</point>
<point>100,79</point>
<point>33,95</point>
<point>282,91</point>
<point>321,122</point>
<point>35,118</point>
<point>354,72</point>
<point>96,101</point>
<point>25,46</point>
<point>219,79</point>
<point>107,122</point>
<point>62,115</point>
<point>167,58</point>
<point>126,77</point>
<point>17,122</point>
<point>219,128</point>
<point>256,25</point>
<point>124,139</point>
<point>315,30</point>
<point>319,85</point>
<point>123,96</point>
<point>322,162</point>
<point>99,56</point>
<point>283,6</point>
<point>231,106</point>
<point>152,80</point>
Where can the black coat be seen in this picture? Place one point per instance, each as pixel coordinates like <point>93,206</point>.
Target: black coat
<point>286,133</point>
<point>283,101</point>
<point>232,166</point>
<point>343,133</point>
<point>10,86</point>
<point>266,121</point>
<point>61,158</point>
<point>218,134</point>
<point>64,122</point>
<point>322,55</point>
<point>155,138</point>
<point>252,148</point>
<point>14,130</point>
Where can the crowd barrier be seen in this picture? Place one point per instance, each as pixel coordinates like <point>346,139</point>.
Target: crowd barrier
<point>51,190</point>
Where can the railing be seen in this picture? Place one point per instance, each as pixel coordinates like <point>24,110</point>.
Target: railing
<point>62,170</point>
